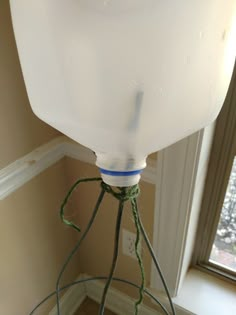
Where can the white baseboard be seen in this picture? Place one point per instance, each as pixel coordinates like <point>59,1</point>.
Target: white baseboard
<point>117,302</point>
<point>21,171</point>
<point>71,300</point>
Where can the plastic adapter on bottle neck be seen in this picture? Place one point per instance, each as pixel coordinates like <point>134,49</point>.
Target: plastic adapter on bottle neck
<point>120,171</point>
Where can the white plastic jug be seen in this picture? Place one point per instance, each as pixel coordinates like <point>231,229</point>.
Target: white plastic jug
<point>125,77</point>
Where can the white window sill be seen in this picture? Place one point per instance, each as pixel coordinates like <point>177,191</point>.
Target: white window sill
<point>203,294</point>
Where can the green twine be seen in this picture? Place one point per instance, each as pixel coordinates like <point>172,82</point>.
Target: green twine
<point>138,254</point>
<point>131,193</point>
<point>123,194</point>
<point>68,195</point>
<point>71,224</point>
<point>115,254</point>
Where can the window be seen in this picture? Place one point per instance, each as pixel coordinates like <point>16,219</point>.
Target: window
<point>223,252</point>
<point>215,248</point>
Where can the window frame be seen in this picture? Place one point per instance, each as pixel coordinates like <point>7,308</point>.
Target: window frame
<point>221,160</point>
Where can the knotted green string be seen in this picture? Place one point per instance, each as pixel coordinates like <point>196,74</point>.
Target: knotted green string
<point>138,254</point>
<point>68,196</point>
<point>131,193</point>
<point>123,194</point>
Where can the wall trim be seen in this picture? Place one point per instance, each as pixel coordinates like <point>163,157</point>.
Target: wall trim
<point>176,174</point>
<point>23,170</point>
<point>117,302</point>
<point>71,300</point>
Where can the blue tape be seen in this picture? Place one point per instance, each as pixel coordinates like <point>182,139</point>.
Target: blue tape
<point>120,173</point>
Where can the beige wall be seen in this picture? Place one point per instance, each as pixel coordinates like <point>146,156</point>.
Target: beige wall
<point>97,249</point>
<point>20,130</point>
<point>33,242</point>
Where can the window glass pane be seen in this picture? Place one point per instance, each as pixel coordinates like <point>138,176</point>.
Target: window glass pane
<point>224,247</point>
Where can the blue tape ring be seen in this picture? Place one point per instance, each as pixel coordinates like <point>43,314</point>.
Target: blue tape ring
<point>120,173</point>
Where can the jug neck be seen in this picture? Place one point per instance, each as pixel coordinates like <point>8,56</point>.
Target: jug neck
<point>120,171</point>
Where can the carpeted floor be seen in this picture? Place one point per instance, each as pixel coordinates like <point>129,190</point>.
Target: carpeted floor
<point>89,307</point>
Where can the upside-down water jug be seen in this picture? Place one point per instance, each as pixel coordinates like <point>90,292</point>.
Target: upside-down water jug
<point>125,77</point>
